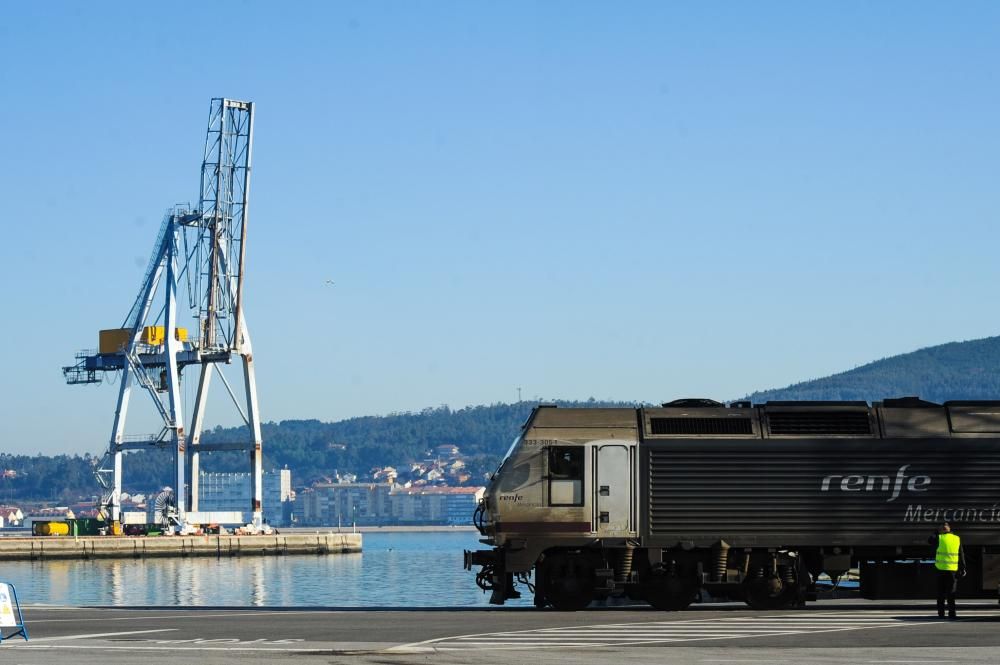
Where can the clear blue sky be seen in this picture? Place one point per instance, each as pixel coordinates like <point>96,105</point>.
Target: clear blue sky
<point>632,201</point>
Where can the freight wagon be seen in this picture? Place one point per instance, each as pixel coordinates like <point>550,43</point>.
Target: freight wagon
<point>741,501</point>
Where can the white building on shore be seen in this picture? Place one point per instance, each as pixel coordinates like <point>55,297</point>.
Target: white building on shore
<point>230,492</point>
<point>435,505</point>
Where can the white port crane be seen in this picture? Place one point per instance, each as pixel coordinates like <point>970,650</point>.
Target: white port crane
<point>204,250</point>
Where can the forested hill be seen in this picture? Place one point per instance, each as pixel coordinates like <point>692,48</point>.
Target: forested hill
<point>313,449</point>
<point>958,370</point>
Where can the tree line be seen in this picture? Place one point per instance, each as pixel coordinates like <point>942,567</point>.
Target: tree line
<point>313,450</point>
<point>316,450</point>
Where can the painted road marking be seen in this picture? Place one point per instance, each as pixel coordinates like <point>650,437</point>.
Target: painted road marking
<point>87,636</point>
<point>192,615</point>
<point>104,647</point>
<point>695,630</point>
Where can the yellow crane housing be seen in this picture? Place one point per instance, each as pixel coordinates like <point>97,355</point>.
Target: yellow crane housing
<point>115,340</point>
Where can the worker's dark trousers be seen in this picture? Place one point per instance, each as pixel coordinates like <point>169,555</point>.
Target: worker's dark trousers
<point>946,586</point>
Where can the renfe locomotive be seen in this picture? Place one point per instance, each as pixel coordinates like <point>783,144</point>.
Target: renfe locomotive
<point>750,502</point>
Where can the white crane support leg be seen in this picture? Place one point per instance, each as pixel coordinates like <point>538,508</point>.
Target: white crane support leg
<point>173,346</point>
<point>125,390</point>
<point>197,423</point>
<point>253,420</point>
<point>117,432</point>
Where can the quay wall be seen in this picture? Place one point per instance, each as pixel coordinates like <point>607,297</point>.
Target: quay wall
<point>128,547</point>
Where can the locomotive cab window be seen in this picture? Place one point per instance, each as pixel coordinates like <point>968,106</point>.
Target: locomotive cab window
<point>566,476</point>
<point>515,477</point>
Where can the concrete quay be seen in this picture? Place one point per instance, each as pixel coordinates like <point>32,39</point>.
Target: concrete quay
<point>130,547</point>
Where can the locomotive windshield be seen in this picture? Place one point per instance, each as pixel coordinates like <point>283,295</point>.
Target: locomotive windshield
<point>507,456</point>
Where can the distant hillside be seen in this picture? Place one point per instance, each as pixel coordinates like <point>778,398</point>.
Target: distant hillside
<point>315,450</point>
<point>312,449</point>
<point>958,370</point>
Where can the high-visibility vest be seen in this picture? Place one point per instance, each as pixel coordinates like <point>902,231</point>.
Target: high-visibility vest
<point>947,552</point>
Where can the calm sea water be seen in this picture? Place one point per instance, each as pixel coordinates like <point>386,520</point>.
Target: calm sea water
<point>394,570</point>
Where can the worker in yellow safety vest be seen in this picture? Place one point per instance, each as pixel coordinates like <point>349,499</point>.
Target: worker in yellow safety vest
<point>949,560</point>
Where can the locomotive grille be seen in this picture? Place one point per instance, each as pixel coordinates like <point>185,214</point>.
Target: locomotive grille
<point>784,492</point>
<point>826,423</point>
<point>701,426</point>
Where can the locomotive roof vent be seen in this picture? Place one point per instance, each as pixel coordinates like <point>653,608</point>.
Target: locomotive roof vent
<point>702,426</point>
<point>910,402</point>
<point>692,402</point>
<point>819,422</point>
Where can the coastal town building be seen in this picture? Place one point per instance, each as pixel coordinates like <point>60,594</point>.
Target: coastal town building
<point>343,504</point>
<point>230,492</point>
<point>435,505</point>
<point>11,515</point>
<point>374,504</point>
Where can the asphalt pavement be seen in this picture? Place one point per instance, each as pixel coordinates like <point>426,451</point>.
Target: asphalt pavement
<point>831,632</point>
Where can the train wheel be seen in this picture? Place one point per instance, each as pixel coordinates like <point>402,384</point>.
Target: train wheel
<point>669,593</point>
<point>770,593</point>
<point>569,581</point>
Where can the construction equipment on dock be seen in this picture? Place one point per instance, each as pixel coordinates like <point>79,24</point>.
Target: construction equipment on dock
<point>202,249</point>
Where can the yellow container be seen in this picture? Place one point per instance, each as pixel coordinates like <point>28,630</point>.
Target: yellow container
<point>54,529</point>
<point>114,340</point>
<point>152,335</point>
<point>155,335</point>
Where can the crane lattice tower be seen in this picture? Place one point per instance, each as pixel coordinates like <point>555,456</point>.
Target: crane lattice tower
<point>202,249</point>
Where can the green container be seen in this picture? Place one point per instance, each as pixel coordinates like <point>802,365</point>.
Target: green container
<point>84,526</point>
<point>87,526</point>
